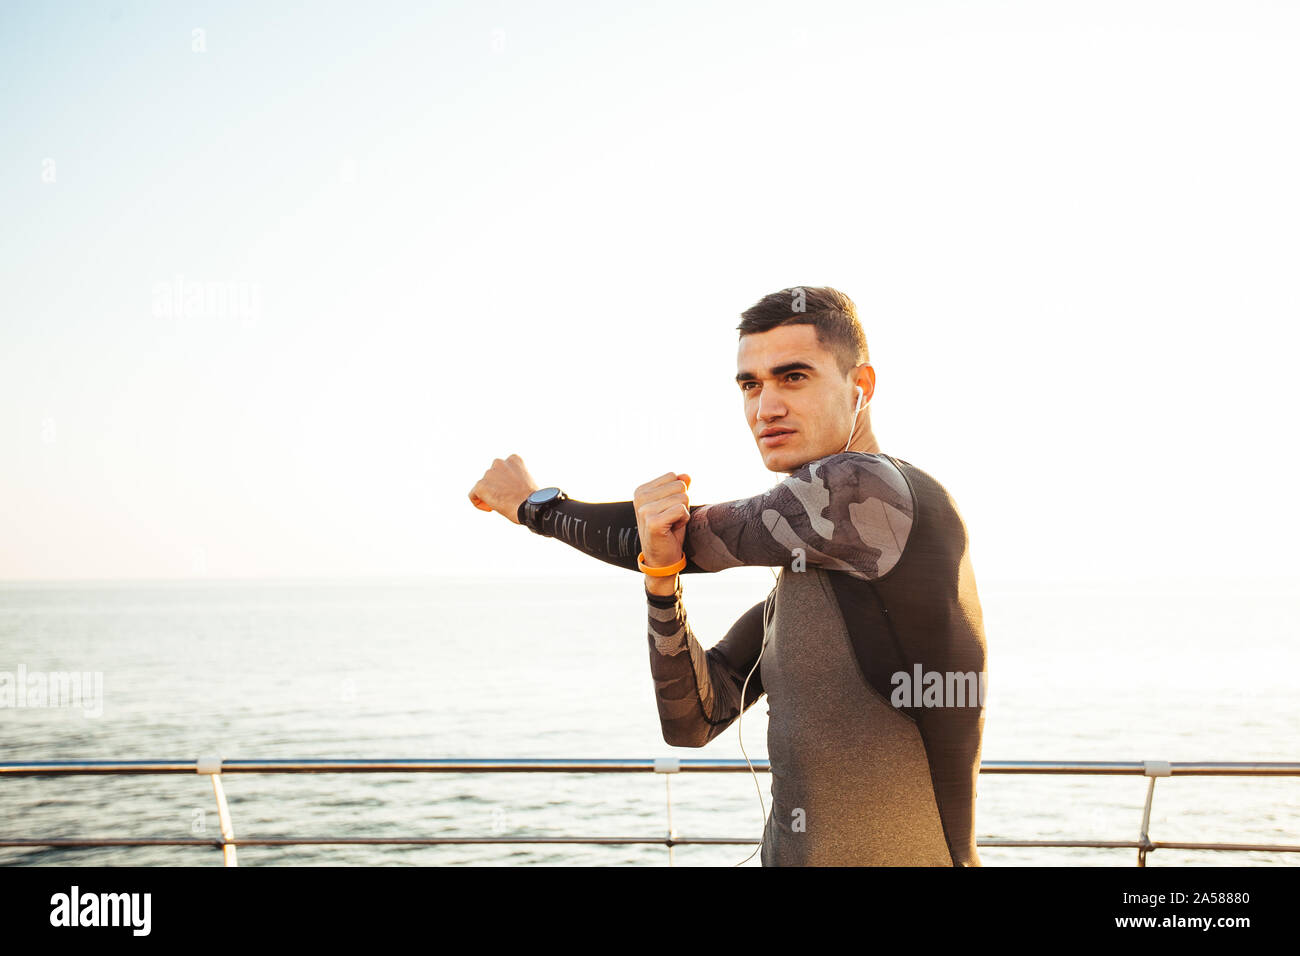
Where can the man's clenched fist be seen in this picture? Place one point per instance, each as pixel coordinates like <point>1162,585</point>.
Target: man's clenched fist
<point>661,514</point>
<point>503,487</point>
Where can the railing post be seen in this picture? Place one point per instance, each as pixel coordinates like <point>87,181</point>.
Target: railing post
<point>1152,769</point>
<point>212,767</point>
<point>669,766</point>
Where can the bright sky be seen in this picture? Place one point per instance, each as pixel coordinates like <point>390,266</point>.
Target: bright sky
<point>434,234</point>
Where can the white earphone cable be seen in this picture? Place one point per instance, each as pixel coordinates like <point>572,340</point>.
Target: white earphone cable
<point>740,720</point>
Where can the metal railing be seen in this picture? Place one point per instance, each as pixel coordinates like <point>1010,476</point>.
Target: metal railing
<point>215,768</point>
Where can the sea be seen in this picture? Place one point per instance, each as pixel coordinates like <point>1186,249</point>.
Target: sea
<point>491,666</point>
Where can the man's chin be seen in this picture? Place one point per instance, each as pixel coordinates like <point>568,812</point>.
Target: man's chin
<point>789,461</point>
<point>784,461</point>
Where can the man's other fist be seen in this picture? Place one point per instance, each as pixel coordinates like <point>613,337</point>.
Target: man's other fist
<point>662,510</point>
<point>503,487</point>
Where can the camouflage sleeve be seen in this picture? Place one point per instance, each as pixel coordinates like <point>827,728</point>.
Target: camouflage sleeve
<point>849,512</point>
<point>698,691</point>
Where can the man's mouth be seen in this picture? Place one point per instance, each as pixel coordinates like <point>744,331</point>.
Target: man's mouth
<point>774,436</point>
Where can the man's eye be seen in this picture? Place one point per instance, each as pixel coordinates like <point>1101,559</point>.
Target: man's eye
<point>744,386</point>
<point>793,374</point>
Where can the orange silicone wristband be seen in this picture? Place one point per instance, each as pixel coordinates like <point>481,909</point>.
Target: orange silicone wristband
<point>660,572</point>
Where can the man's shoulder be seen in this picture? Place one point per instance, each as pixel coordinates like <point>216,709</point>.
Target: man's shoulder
<point>924,485</point>
<point>861,473</point>
<point>868,497</point>
<point>850,512</point>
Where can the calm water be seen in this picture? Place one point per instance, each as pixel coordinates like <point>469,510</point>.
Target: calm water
<point>480,667</point>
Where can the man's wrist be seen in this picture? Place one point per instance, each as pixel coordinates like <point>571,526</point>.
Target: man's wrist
<point>661,585</point>
<point>531,513</point>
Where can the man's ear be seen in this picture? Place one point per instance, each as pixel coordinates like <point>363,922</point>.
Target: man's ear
<point>867,380</point>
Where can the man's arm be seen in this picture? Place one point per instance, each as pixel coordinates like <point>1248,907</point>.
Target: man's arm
<point>698,691</point>
<point>605,530</point>
<point>848,512</point>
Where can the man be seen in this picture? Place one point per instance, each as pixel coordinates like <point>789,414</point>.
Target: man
<point>874,657</point>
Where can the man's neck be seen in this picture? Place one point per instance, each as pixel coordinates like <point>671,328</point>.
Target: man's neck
<point>864,443</point>
<point>864,439</point>
<point>867,443</point>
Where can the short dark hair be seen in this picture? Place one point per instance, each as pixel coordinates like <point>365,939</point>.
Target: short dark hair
<point>830,311</point>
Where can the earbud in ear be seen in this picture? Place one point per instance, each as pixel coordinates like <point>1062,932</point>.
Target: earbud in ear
<point>858,407</point>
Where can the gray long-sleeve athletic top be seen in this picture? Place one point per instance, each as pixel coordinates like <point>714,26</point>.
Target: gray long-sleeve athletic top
<point>874,667</point>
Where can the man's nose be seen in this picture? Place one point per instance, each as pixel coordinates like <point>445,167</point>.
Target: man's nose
<point>769,406</point>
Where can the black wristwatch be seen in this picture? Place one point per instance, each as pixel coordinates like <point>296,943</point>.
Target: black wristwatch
<point>536,505</point>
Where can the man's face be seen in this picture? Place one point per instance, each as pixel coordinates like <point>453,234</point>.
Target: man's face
<point>798,405</point>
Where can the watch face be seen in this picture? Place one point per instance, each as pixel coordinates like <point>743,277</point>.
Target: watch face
<point>542,495</point>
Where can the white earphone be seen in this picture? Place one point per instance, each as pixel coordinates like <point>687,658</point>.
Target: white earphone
<point>740,718</point>
<point>857,409</point>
